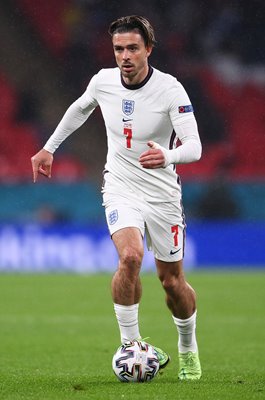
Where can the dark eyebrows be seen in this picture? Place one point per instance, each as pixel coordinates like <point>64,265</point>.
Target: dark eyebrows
<point>118,47</point>
<point>133,46</point>
<point>129,46</point>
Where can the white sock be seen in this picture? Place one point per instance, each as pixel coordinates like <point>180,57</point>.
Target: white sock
<point>127,317</point>
<point>186,330</point>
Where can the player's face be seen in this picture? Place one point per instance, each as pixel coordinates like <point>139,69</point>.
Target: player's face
<point>131,56</point>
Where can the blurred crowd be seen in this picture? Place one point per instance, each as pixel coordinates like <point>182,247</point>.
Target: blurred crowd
<point>215,48</point>
<point>188,32</point>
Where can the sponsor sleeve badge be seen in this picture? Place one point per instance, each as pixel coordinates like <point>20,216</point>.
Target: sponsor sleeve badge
<point>185,109</point>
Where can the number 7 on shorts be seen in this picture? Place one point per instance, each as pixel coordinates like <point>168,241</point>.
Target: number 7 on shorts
<point>174,230</point>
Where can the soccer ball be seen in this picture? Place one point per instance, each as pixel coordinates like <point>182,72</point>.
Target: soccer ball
<point>135,362</point>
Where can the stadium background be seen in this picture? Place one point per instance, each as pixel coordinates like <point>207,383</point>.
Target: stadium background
<point>49,51</point>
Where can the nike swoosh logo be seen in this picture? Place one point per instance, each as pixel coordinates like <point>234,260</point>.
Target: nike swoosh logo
<point>126,120</point>
<point>174,252</point>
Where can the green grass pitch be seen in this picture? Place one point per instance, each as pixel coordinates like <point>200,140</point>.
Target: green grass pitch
<point>58,334</point>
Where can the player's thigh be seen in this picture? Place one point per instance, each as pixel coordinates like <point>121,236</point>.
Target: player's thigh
<point>166,231</point>
<point>129,245</point>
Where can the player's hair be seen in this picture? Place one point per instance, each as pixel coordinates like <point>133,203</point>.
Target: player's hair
<point>134,23</point>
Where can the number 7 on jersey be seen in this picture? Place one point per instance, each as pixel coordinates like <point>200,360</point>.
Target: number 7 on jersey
<point>128,133</point>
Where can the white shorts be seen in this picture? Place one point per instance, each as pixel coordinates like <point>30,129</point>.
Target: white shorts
<point>163,224</point>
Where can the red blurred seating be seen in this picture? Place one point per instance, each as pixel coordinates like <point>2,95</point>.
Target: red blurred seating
<point>20,140</point>
<point>243,109</point>
<point>248,133</point>
<point>47,18</point>
<point>8,101</point>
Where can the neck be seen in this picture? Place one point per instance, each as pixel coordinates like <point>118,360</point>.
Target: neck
<point>137,83</point>
<point>138,78</point>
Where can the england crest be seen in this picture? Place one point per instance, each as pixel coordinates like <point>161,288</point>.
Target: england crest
<point>113,217</point>
<point>127,106</point>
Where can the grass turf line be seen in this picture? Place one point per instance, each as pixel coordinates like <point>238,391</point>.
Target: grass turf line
<point>58,334</point>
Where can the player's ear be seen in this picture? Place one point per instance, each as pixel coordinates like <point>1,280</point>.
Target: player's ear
<point>148,51</point>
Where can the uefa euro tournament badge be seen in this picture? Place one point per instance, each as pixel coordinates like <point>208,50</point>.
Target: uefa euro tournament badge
<point>113,217</point>
<point>127,106</point>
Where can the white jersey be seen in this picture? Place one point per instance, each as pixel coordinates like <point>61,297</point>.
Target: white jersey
<point>158,109</point>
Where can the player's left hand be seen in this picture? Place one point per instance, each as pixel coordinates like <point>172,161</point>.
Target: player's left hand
<point>153,158</point>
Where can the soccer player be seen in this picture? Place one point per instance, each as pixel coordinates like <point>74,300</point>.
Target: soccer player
<point>145,112</point>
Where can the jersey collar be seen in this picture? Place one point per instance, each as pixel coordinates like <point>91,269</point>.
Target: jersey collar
<point>141,84</point>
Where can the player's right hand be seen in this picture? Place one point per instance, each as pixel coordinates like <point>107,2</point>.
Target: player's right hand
<point>42,163</point>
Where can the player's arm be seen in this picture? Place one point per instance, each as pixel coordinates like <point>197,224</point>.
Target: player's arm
<point>189,150</point>
<point>73,118</point>
<point>185,126</point>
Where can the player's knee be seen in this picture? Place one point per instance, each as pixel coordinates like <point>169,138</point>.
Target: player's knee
<point>131,257</point>
<point>170,283</point>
